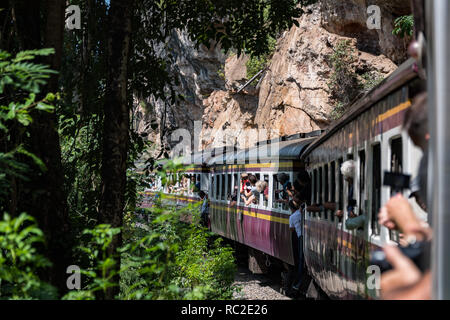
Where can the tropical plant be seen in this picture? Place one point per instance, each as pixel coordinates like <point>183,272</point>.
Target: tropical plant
<point>404,26</point>
<point>20,261</point>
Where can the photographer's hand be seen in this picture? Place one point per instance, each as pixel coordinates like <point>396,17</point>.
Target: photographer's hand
<point>404,282</point>
<point>383,219</point>
<point>399,213</point>
<point>404,273</point>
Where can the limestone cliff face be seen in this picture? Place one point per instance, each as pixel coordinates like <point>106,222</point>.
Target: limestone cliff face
<point>293,95</point>
<point>349,18</point>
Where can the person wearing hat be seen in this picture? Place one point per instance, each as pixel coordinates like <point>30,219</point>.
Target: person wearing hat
<point>348,172</point>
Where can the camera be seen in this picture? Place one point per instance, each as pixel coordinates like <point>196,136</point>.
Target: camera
<point>415,252</point>
<point>397,181</point>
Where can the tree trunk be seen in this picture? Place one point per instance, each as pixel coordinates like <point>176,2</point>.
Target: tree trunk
<point>44,196</point>
<point>116,124</point>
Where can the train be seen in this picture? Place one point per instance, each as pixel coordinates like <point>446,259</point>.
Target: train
<point>336,259</point>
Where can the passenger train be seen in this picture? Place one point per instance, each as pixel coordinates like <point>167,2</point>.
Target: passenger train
<point>336,259</point>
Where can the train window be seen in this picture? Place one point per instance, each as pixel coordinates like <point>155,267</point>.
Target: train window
<point>275,195</point>
<point>265,197</point>
<point>362,181</point>
<point>396,166</point>
<point>217,187</point>
<point>314,194</point>
<point>341,185</point>
<point>198,180</point>
<point>234,190</point>
<point>376,187</point>
<point>333,187</point>
<point>320,189</point>
<point>223,188</point>
<point>212,187</point>
<point>397,155</point>
<point>228,195</point>
<point>325,187</point>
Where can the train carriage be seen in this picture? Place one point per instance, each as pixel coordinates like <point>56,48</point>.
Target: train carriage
<point>371,135</point>
<point>263,226</point>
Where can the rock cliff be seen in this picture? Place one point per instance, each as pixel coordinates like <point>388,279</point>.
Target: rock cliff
<point>293,95</point>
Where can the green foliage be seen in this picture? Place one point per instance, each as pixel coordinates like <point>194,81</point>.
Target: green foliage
<point>166,258</point>
<point>19,74</point>
<point>210,269</point>
<point>20,260</point>
<point>21,81</point>
<point>100,274</point>
<point>370,80</point>
<point>242,25</point>
<point>221,72</point>
<point>404,26</point>
<point>20,237</point>
<point>162,256</point>
<point>345,84</point>
<point>256,63</point>
<point>338,111</point>
<point>151,259</point>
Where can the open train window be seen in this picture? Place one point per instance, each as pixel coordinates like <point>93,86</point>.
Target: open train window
<point>234,190</point>
<point>396,166</point>
<point>314,182</point>
<point>333,187</point>
<point>314,193</point>
<point>326,190</point>
<point>276,195</point>
<point>265,201</point>
<point>228,195</point>
<point>320,189</point>
<point>362,181</point>
<point>376,187</point>
<point>397,155</point>
<point>341,185</point>
<point>217,187</point>
<point>222,188</point>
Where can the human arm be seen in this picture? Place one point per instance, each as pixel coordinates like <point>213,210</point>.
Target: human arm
<point>398,214</point>
<point>404,281</point>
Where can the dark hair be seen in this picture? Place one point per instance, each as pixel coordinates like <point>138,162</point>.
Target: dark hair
<point>283,178</point>
<point>292,206</point>
<point>299,198</point>
<point>297,186</point>
<point>201,194</point>
<point>415,121</point>
<point>252,179</point>
<point>303,176</point>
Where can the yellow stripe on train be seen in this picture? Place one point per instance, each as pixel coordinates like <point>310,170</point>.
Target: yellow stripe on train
<point>254,214</point>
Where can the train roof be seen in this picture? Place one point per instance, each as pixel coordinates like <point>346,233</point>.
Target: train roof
<point>404,73</point>
<point>204,156</point>
<point>285,148</point>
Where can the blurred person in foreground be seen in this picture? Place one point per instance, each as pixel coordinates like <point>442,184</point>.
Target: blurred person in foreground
<point>405,281</point>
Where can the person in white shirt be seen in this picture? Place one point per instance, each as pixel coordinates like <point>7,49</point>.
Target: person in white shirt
<point>295,223</point>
